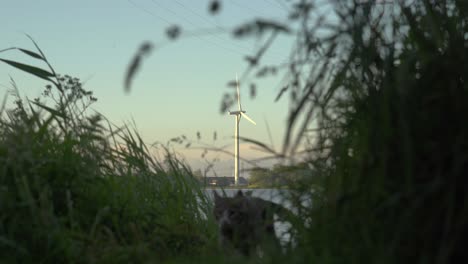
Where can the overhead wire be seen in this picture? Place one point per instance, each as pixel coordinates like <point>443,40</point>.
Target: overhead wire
<point>207,31</point>
<point>210,22</point>
<point>224,30</point>
<point>254,12</point>
<point>213,32</point>
<point>282,4</point>
<point>189,33</point>
<point>221,30</point>
<point>275,5</point>
<point>198,15</point>
<point>149,12</point>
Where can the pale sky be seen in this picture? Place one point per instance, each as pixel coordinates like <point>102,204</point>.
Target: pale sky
<point>180,86</point>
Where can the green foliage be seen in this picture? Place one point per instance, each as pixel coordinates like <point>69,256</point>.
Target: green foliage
<point>74,189</point>
<point>280,175</point>
<point>394,120</point>
<point>260,177</point>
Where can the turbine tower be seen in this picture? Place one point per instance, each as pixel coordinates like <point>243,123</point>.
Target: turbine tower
<point>238,115</point>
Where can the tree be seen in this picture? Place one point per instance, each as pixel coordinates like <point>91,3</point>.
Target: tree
<point>260,177</point>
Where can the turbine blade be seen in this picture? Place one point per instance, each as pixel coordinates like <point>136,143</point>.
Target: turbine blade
<point>248,118</point>
<point>238,94</point>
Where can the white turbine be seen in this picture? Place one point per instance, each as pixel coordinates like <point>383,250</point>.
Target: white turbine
<point>238,115</point>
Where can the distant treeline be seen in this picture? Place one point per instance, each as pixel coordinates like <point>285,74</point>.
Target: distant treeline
<point>279,175</point>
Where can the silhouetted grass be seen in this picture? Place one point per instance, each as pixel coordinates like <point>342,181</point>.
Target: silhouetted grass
<point>394,116</point>
<point>75,189</point>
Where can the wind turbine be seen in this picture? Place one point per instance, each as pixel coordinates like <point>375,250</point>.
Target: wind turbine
<point>238,115</point>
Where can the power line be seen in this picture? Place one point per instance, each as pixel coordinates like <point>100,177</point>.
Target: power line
<point>282,8</point>
<point>282,4</point>
<point>211,32</point>
<point>221,30</point>
<point>169,23</point>
<point>198,15</point>
<point>204,31</point>
<point>245,8</point>
<point>149,12</point>
<point>210,22</point>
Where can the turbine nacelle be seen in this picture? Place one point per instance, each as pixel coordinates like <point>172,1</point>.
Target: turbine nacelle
<point>236,112</point>
<point>243,114</point>
<point>240,112</point>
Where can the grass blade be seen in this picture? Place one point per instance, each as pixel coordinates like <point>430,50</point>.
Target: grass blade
<point>32,54</point>
<point>50,110</point>
<point>43,74</point>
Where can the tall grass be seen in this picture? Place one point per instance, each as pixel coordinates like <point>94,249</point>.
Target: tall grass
<point>394,118</point>
<point>76,189</point>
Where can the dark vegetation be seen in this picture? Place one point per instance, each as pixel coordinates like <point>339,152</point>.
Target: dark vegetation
<point>76,189</point>
<point>280,175</point>
<point>383,90</point>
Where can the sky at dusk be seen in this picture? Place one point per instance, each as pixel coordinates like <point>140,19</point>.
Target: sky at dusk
<point>179,88</point>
